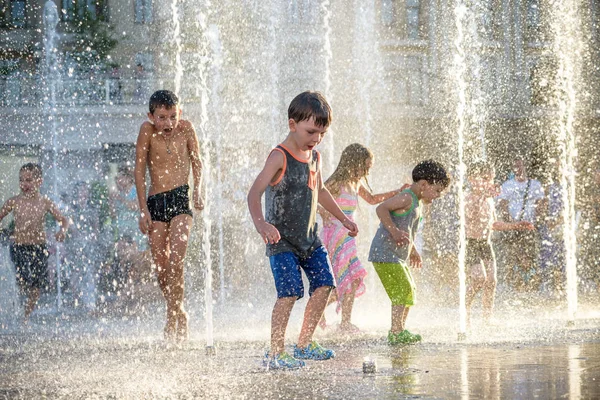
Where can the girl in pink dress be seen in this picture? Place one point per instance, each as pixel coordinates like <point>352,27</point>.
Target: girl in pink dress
<point>346,184</point>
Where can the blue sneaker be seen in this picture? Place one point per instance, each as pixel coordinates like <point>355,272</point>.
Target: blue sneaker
<point>281,361</point>
<point>314,351</point>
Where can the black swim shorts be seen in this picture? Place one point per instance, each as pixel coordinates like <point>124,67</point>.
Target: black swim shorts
<point>165,206</point>
<point>31,265</point>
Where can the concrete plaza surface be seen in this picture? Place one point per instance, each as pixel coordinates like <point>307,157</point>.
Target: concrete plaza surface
<point>97,358</point>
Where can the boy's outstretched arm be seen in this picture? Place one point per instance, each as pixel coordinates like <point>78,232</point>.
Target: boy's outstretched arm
<point>7,208</point>
<point>272,169</point>
<point>63,221</point>
<point>194,151</point>
<point>400,202</point>
<point>328,202</point>
<point>142,147</point>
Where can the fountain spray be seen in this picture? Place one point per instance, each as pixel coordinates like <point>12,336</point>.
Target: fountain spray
<point>568,46</point>
<point>51,19</point>
<point>460,11</point>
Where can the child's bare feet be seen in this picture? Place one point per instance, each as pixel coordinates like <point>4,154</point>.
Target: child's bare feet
<point>348,328</point>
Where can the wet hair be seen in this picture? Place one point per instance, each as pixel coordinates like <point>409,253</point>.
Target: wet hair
<point>310,105</point>
<point>431,171</point>
<point>351,168</point>
<point>34,168</point>
<point>479,168</point>
<point>163,98</point>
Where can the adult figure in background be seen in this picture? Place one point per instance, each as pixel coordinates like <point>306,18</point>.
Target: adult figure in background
<point>589,243</point>
<point>519,200</point>
<point>130,274</point>
<point>82,249</point>
<point>552,248</point>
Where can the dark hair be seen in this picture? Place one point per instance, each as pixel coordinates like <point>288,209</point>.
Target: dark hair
<point>480,167</point>
<point>431,171</point>
<point>163,98</point>
<point>310,104</point>
<point>34,168</point>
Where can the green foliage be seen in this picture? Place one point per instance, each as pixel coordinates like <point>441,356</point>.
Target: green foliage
<point>94,40</point>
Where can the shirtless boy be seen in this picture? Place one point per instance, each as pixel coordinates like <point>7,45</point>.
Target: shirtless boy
<point>480,221</point>
<point>29,250</point>
<point>168,147</point>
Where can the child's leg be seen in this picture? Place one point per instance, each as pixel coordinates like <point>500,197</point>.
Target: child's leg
<point>348,304</point>
<point>477,282</point>
<point>288,282</point>
<point>405,316</point>
<point>489,289</point>
<point>179,232</point>
<point>32,296</point>
<point>279,321</point>
<point>320,276</point>
<point>399,315</point>
<point>159,246</point>
<point>332,299</point>
<point>312,314</point>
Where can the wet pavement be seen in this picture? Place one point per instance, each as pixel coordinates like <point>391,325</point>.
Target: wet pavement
<point>103,358</point>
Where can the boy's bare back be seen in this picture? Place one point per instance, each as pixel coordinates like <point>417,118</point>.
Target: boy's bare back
<point>169,158</point>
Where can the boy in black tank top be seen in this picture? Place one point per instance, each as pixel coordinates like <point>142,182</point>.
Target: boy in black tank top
<point>292,181</point>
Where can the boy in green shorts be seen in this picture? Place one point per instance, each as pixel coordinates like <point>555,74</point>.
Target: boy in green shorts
<point>392,249</point>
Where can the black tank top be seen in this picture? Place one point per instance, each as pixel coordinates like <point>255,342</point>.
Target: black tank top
<point>291,205</point>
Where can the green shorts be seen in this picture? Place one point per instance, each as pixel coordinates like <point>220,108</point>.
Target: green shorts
<point>398,282</point>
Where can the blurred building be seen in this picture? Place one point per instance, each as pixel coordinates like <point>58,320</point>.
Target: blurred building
<point>388,67</point>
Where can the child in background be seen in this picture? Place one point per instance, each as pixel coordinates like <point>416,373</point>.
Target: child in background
<point>346,184</point>
<point>393,247</point>
<point>480,220</point>
<point>29,250</point>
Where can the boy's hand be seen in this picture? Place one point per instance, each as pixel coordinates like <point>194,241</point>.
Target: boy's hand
<point>524,226</point>
<point>145,222</point>
<point>400,237</point>
<point>415,259</point>
<point>351,226</point>
<point>269,233</point>
<point>60,236</point>
<point>198,201</point>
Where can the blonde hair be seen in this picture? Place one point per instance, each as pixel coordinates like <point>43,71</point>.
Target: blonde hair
<point>351,168</point>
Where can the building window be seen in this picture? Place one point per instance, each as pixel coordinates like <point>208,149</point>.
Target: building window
<point>17,13</point>
<point>491,19</point>
<point>405,19</point>
<point>537,18</point>
<point>93,9</point>
<point>541,76</point>
<point>413,9</point>
<point>406,78</point>
<point>143,11</point>
<point>303,10</point>
<point>12,14</point>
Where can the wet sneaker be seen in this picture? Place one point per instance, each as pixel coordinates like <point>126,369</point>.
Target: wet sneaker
<point>314,351</point>
<point>414,336</point>
<point>282,361</point>
<point>404,337</point>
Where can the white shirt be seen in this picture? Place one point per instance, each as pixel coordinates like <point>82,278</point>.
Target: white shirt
<point>514,192</point>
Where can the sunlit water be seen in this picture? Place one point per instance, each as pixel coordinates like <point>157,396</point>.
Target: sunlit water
<point>527,351</point>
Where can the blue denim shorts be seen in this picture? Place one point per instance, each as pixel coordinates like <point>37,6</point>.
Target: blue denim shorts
<point>288,278</point>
